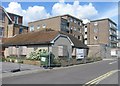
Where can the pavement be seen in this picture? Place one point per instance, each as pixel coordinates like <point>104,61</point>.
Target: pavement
<point>97,72</point>
<point>8,67</point>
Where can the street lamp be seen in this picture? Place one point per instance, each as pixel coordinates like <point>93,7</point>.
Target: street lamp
<point>49,58</point>
<point>17,56</point>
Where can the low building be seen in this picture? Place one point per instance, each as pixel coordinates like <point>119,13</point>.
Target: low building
<point>61,44</point>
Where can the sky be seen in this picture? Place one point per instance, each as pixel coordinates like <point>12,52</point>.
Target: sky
<point>32,11</point>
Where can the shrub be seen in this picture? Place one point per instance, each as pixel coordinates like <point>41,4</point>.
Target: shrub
<point>98,58</point>
<point>34,56</point>
<point>2,59</point>
<point>56,61</point>
<point>20,61</point>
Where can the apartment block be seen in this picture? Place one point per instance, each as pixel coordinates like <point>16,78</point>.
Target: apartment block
<point>10,25</point>
<point>102,32</point>
<point>65,23</point>
<point>118,45</point>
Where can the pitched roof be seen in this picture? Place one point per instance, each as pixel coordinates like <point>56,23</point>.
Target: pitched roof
<point>77,43</point>
<point>40,37</point>
<point>5,13</point>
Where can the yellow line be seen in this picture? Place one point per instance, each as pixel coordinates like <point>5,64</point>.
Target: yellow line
<point>100,78</point>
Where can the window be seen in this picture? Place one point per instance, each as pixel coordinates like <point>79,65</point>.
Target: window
<point>44,26</point>
<point>95,37</point>
<point>70,30</point>
<point>1,32</point>
<point>38,27</point>
<point>85,32</point>
<point>31,28</point>
<point>95,23</point>
<point>16,19</point>
<point>85,29</point>
<point>71,20</point>
<point>79,23</point>
<point>75,21</point>
<point>78,37</point>
<point>81,37</point>
<point>85,41</point>
<point>62,50</point>
<point>2,16</point>
<point>64,26</point>
<point>67,24</point>
<point>85,26</point>
<point>75,28</point>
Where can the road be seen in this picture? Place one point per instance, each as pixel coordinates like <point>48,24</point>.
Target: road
<point>95,73</point>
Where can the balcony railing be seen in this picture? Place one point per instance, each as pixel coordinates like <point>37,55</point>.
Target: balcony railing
<point>112,34</point>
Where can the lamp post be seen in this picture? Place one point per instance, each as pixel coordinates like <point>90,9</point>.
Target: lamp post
<point>49,58</point>
<point>18,56</point>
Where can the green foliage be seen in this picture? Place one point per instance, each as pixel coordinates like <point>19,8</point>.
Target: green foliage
<point>36,55</point>
<point>20,61</point>
<point>56,61</point>
<point>2,59</point>
<point>97,59</point>
<point>93,59</point>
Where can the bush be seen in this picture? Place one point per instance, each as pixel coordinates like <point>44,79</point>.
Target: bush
<point>20,61</point>
<point>93,59</point>
<point>56,61</point>
<point>98,58</point>
<point>34,56</point>
<point>2,59</point>
<point>89,59</point>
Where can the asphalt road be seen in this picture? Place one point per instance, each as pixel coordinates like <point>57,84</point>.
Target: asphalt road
<point>81,74</point>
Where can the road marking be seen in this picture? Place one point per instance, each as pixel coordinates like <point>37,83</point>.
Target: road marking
<point>100,78</point>
<point>112,62</point>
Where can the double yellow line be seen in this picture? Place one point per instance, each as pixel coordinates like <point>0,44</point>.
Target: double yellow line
<point>100,78</point>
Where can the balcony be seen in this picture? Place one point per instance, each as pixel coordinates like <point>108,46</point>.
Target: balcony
<point>113,27</point>
<point>115,35</point>
<point>114,41</point>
